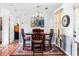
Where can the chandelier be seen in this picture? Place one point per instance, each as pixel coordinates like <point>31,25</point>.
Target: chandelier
<point>37,21</point>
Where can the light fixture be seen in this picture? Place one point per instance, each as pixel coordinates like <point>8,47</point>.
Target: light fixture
<point>38,16</point>
<point>37,20</point>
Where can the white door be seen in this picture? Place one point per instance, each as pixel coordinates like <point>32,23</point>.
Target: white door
<point>76,29</point>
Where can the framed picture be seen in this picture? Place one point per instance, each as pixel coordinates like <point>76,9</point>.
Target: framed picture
<point>41,23</point>
<point>37,23</point>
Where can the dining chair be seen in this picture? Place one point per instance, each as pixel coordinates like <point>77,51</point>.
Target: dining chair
<point>48,40</point>
<point>24,38</point>
<point>38,42</point>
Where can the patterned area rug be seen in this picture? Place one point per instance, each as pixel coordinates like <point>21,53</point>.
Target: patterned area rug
<point>27,52</point>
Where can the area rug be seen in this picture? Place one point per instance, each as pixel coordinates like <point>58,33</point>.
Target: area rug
<point>20,52</point>
<point>27,52</point>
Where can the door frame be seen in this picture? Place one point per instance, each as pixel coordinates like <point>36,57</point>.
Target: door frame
<point>1,29</point>
<point>75,25</point>
<point>58,16</point>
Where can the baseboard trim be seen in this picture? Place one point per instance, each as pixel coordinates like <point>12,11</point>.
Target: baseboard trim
<point>63,51</point>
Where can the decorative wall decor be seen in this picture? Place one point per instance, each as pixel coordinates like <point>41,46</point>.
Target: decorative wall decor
<point>37,22</point>
<point>65,20</point>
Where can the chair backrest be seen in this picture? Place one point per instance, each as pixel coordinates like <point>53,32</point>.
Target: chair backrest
<point>22,32</point>
<point>38,34</point>
<point>51,32</point>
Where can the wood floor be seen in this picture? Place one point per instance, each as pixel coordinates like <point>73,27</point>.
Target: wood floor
<point>9,49</point>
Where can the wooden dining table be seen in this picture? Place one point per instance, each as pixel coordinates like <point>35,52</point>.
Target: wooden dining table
<point>32,33</point>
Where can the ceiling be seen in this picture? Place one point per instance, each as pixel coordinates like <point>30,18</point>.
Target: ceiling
<point>24,9</point>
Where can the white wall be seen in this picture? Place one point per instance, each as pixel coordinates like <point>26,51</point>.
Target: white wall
<point>68,31</point>
<point>67,9</point>
<point>12,23</point>
<point>76,27</point>
<point>5,25</point>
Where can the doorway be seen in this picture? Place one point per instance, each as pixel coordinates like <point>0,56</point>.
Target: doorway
<point>16,32</point>
<point>76,29</point>
<point>58,27</point>
<point>0,30</point>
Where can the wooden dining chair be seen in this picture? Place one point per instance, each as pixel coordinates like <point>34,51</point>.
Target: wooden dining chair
<point>38,42</point>
<point>49,39</point>
<point>24,38</point>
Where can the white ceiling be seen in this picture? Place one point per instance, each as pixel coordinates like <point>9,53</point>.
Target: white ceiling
<point>24,9</point>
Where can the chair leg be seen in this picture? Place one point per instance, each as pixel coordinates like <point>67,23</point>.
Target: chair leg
<point>23,44</point>
<point>23,47</point>
<point>50,45</point>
